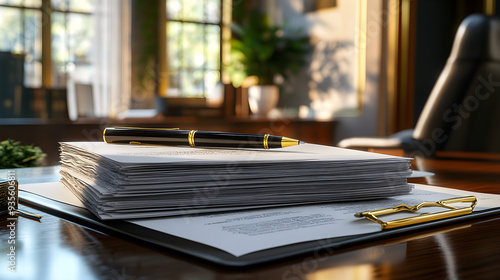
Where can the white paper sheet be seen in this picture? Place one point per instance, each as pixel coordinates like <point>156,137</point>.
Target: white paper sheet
<point>420,174</point>
<point>138,181</point>
<point>139,154</point>
<point>244,232</point>
<point>53,190</point>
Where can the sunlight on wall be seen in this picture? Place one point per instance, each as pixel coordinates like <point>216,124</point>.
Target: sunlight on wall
<point>329,86</point>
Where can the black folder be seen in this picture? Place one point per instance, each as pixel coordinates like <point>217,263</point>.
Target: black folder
<point>213,255</point>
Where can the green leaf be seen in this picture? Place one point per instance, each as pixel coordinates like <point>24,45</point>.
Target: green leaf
<point>261,49</point>
<point>15,155</point>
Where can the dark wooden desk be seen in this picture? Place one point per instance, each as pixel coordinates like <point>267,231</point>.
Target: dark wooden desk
<point>58,249</point>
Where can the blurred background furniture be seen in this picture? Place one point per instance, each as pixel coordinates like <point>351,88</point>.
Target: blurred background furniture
<point>11,84</point>
<point>463,111</point>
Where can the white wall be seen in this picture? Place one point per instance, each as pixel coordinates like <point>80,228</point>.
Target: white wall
<point>325,89</point>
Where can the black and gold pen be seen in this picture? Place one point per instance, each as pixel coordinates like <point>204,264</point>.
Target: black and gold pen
<point>195,138</point>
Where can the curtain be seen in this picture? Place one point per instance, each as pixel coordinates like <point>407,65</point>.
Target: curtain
<point>111,84</point>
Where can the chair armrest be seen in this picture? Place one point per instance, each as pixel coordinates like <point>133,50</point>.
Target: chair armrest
<point>400,140</point>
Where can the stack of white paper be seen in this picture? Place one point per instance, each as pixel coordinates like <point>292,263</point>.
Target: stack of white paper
<point>137,181</point>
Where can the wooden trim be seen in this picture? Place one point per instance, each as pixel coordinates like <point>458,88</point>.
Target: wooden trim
<point>226,18</point>
<point>382,96</point>
<point>46,44</point>
<point>400,66</point>
<point>392,66</point>
<point>406,65</point>
<point>489,7</point>
<point>361,46</point>
<point>162,73</point>
<point>468,155</point>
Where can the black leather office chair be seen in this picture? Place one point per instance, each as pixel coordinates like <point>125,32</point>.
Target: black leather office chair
<point>463,109</point>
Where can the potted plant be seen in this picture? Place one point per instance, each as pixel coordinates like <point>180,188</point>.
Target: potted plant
<point>260,49</point>
<point>15,155</point>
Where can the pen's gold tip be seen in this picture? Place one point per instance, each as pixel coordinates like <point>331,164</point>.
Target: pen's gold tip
<point>289,142</point>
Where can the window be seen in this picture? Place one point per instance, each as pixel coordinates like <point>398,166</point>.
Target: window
<point>71,40</point>
<point>193,46</point>
<point>53,35</point>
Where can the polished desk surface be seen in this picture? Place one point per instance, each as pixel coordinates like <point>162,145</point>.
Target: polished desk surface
<point>58,249</point>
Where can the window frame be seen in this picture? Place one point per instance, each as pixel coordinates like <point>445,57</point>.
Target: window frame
<point>46,10</point>
<point>166,69</point>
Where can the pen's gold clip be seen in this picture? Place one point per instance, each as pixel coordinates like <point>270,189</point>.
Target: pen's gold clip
<point>427,217</point>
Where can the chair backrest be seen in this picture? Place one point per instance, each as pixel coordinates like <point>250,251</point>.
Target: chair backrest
<point>463,109</point>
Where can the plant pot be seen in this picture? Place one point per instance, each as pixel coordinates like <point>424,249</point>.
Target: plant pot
<point>263,99</point>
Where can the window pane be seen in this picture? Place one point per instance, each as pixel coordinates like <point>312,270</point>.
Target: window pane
<point>174,9</point>
<point>192,10</point>
<point>33,48</point>
<point>186,83</point>
<point>33,35</point>
<point>192,46</point>
<point>59,4</point>
<point>212,44</point>
<point>174,89</point>
<point>11,2</point>
<point>174,31</point>
<point>71,47</point>
<point>80,32</point>
<point>33,3</point>
<point>33,74</point>
<point>82,5</point>
<point>85,6</point>
<point>59,37</point>
<point>212,12</point>
<point>29,43</point>
<point>60,54</point>
<point>10,30</point>
<point>211,80</point>
<point>192,83</point>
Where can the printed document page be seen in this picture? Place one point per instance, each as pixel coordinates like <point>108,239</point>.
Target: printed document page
<point>244,232</point>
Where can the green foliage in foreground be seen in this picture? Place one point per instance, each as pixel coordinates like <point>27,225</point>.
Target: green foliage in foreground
<point>15,155</point>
